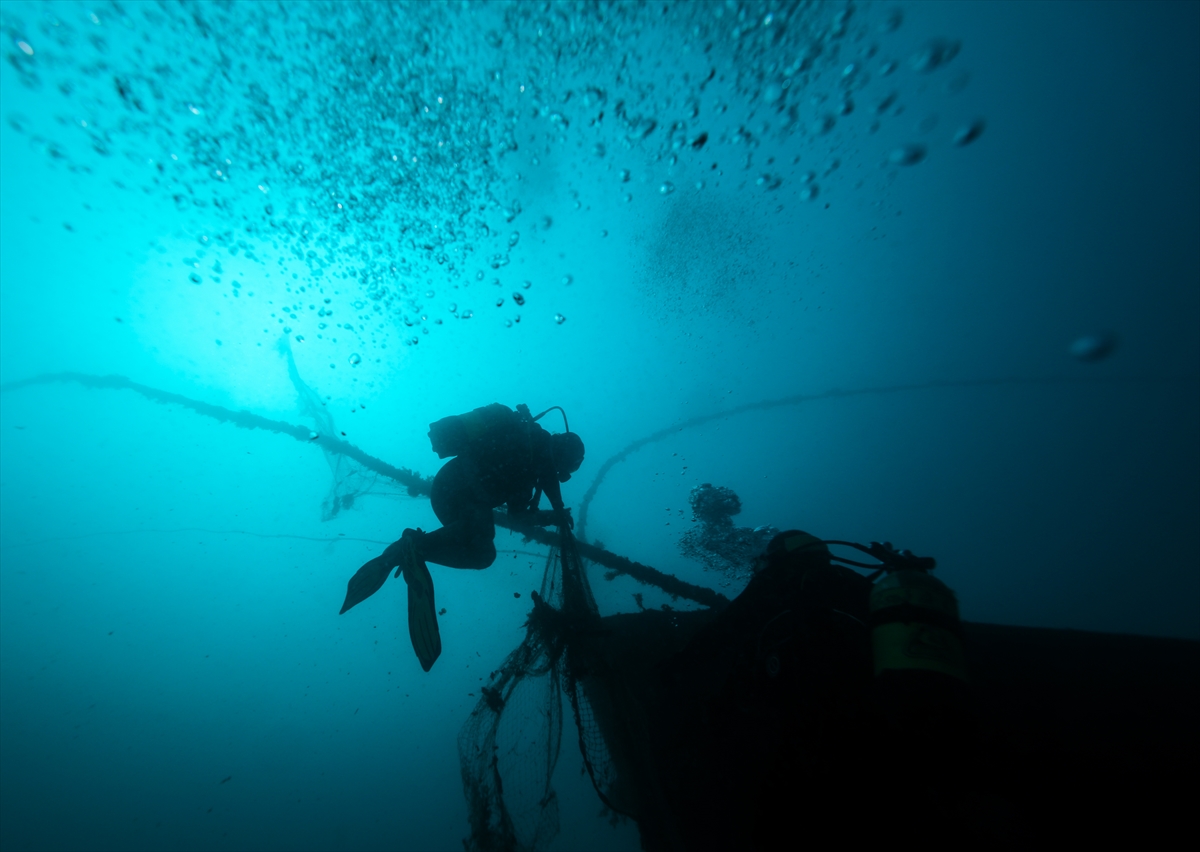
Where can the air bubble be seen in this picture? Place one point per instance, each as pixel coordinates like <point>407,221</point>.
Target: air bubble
<point>969,133</point>
<point>355,359</point>
<point>514,238</point>
<point>1095,347</point>
<point>518,298</point>
<point>624,175</point>
<point>667,188</point>
<point>907,155</point>
<point>935,54</point>
<point>453,307</point>
<point>559,319</point>
<point>885,103</point>
<point>823,125</point>
<point>499,302</point>
<point>567,280</point>
<point>429,294</point>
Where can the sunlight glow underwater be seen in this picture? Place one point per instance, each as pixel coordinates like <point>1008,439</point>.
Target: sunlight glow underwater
<point>848,259</point>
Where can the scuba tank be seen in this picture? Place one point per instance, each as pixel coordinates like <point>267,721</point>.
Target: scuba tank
<point>927,724</point>
<point>461,433</point>
<point>915,624</point>
<point>914,616</point>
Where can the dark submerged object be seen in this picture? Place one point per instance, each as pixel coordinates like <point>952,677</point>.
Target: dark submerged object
<point>755,724</point>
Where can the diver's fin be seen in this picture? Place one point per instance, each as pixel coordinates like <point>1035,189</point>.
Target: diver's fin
<point>366,581</point>
<point>422,616</point>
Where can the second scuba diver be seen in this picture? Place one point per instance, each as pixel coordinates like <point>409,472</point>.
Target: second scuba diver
<point>502,457</point>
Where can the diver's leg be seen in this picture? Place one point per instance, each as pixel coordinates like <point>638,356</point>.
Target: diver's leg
<point>465,539</point>
<point>465,510</point>
<point>468,541</point>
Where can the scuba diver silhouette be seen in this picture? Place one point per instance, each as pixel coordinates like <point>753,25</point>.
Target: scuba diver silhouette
<point>501,457</point>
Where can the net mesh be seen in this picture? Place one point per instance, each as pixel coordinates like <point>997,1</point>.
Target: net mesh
<point>509,747</point>
<point>351,480</point>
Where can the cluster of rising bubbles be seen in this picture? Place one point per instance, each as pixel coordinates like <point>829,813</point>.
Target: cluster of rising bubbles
<point>715,541</point>
<point>376,143</point>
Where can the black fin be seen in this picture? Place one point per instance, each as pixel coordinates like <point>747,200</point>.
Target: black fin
<point>366,581</point>
<point>422,616</point>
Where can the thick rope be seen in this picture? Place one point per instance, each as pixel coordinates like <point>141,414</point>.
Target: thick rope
<point>797,399</point>
<point>417,485</point>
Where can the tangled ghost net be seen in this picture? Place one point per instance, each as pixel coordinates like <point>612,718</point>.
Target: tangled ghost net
<point>509,746</point>
<point>351,479</point>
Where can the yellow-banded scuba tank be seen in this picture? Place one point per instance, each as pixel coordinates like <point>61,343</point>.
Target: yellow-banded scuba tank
<point>915,625</point>
<point>914,616</point>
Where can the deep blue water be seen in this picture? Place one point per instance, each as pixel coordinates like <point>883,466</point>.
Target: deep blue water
<point>644,214</point>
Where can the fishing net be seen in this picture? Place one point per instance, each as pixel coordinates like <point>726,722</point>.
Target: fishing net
<point>509,747</point>
<point>351,479</point>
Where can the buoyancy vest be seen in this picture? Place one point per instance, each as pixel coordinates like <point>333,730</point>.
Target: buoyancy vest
<point>479,431</point>
<point>506,446</point>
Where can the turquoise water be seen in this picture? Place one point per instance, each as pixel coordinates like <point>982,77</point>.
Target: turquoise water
<point>656,216</point>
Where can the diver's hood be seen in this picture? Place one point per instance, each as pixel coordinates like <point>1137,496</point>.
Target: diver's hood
<point>567,449</point>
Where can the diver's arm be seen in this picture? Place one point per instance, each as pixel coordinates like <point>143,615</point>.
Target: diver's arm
<point>524,510</point>
<point>549,485</point>
<point>533,517</point>
<point>560,513</point>
<point>527,512</point>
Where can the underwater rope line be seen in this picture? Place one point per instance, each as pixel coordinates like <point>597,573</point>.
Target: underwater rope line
<point>186,529</point>
<point>416,484</point>
<point>796,399</point>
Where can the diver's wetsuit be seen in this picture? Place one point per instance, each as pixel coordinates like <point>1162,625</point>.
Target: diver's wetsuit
<point>513,465</point>
<point>501,457</point>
